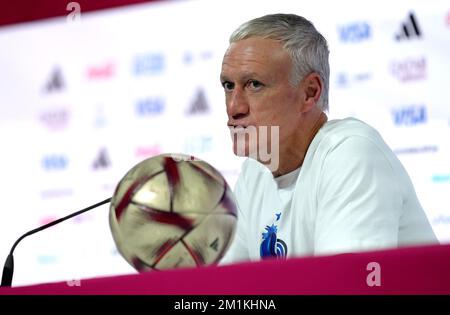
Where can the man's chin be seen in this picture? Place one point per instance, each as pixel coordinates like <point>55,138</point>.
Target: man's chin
<point>245,152</point>
<point>240,154</point>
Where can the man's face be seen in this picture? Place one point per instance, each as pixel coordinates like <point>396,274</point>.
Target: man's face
<point>255,77</point>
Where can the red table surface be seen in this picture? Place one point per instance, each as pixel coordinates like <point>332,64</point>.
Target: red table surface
<point>412,270</point>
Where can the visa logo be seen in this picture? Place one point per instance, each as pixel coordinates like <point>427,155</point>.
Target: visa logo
<point>47,259</point>
<point>410,116</point>
<point>441,219</point>
<point>149,64</point>
<point>54,162</point>
<point>355,32</point>
<point>440,178</point>
<point>150,106</point>
<point>199,145</point>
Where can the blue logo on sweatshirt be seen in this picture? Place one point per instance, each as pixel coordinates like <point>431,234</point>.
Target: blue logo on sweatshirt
<point>272,246</point>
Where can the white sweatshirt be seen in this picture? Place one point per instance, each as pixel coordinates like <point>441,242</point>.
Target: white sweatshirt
<point>351,194</point>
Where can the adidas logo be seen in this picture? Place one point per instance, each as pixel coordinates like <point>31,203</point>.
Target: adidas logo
<point>200,104</point>
<point>55,82</point>
<point>409,29</point>
<point>102,160</point>
<point>215,244</point>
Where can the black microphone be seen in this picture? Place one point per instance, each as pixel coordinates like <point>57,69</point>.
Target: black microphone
<point>8,269</point>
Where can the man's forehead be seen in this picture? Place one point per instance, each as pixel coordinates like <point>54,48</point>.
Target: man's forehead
<point>254,47</point>
<point>253,54</point>
<point>245,69</point>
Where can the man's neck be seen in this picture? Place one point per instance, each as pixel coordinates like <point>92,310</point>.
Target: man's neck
<point>293,155</point>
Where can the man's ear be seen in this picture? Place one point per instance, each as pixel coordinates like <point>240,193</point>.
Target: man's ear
<point>312,87</point>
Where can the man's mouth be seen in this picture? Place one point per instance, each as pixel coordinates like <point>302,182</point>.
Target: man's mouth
<point>237,126</point>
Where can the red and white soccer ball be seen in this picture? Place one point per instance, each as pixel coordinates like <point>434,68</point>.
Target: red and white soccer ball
<point>172,211</point>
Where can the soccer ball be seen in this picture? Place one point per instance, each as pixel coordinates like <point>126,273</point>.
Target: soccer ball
<point>172,211</point>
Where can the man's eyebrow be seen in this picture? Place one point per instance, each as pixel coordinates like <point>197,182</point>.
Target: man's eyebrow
<point>244,77</point>
<point>223,78</point>
<point>250,75</point>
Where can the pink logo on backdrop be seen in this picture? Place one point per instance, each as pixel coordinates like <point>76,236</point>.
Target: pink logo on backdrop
<point>55,119</point>
<point>47,219</point>
<point>409,69</point>
<point>104,71</point>
<point>448,19</point>
<point>148,151</point>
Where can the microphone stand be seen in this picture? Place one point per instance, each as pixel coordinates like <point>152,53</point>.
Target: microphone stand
<point>8,269</point>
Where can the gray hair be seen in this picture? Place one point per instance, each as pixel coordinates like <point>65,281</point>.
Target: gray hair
<point>306,46</point>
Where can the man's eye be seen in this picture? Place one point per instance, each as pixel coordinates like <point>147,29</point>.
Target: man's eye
<point>255,85</point>
<point>227,85</point>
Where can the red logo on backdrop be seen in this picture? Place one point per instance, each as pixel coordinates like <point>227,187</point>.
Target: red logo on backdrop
<point>101,72</point>
<point>448,19</point>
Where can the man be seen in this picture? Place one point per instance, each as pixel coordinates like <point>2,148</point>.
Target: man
<point>337,187</point>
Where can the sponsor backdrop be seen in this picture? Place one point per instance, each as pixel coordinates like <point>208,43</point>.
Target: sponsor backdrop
<point>82,101</point>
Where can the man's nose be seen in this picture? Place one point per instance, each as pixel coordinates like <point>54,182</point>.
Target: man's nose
<point>237,104</point>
